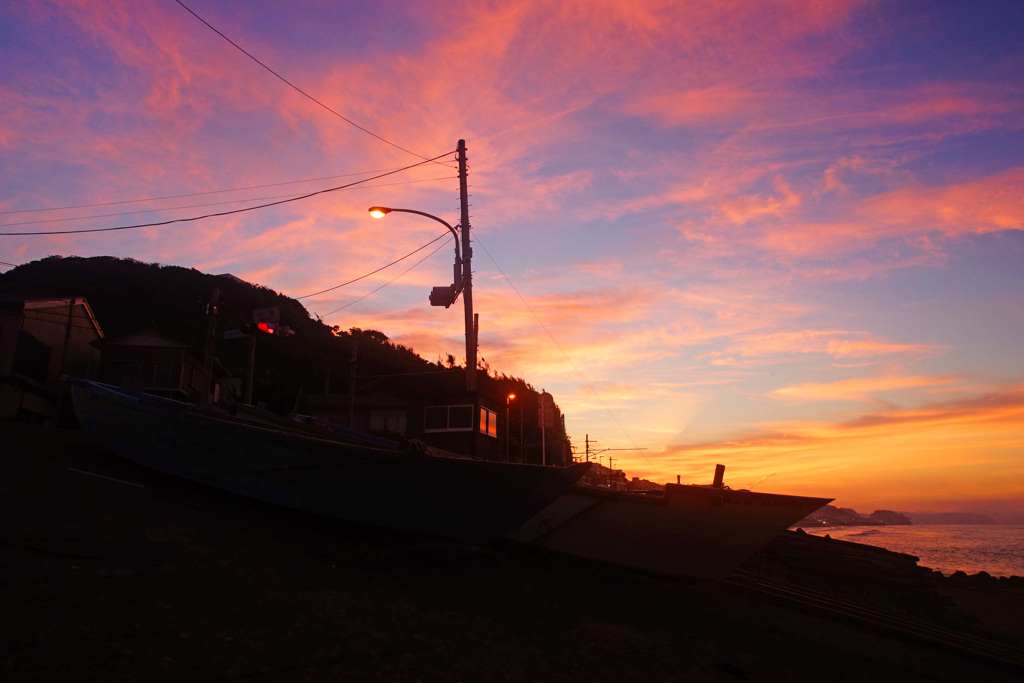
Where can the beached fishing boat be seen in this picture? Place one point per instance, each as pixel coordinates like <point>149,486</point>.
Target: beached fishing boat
<point>320,472</point>
<point>691,531</point>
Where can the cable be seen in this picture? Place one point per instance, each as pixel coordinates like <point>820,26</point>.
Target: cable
<point>352,303</point>
<point>195,206</point>
<point>222,213</point>
<point>60,319</point>
<point>190,194</point>
<point>295,87</point>
<point>363,277</point>
<point>565,355</point>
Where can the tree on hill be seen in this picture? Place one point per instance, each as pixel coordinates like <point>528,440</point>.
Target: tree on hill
<point>128,295</point>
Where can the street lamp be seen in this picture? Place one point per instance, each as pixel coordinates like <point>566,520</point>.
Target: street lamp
<point>381,211</point>
<point>508,424</point>
<point>445,296</point>
<point>439,296</point>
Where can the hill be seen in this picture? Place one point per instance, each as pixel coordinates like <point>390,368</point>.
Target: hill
<point>831,515</point>
<point>128,295</point>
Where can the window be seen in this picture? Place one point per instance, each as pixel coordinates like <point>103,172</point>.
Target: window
<point>448,419</point>
<point>488,422</point>
<point>387,421</point>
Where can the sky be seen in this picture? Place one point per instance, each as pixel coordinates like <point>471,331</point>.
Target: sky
<point>781,236</point>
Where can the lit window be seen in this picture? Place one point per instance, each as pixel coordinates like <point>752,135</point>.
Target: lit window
<point>451,419</point>
<point>488,422</point>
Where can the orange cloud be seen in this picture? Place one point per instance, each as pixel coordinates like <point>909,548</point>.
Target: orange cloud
<point>745,209</point>
<point>903,459</point>
<point>858,389</point>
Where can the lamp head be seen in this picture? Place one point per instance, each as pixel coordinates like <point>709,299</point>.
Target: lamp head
<point>379,211</point>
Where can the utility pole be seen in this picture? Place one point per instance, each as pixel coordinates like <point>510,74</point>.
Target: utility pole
<point>208,349</point>
<point>467,272</point>
<point>250,369</point>
<point>604,450</point>
<point>352,384</point>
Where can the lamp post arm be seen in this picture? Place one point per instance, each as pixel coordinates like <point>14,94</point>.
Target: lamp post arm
<point>455,233</point>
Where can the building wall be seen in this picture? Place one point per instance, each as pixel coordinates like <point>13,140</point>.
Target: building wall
<point>152,362</point>
<point>39,343</point>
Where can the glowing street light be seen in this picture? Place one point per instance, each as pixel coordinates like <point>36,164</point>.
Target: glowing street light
<point>439,296</point>
<point>508,424</point>
<point>381,211</point>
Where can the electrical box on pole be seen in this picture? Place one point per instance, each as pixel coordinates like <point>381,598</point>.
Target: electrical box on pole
<point>443,296</point>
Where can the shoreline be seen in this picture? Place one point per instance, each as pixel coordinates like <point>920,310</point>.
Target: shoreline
<point>131,574</point>
<point>973,569</point>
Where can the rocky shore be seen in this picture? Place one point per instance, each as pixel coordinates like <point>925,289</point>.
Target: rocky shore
<point>109,572</point>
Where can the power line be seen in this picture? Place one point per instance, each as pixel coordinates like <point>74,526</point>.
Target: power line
<point>222,213</point>
<point>194,206</point>
<point>192,194</point>
<point>352,303</point>
<point>295,87</point>
<point>363,277</point>
<point>60,319</point>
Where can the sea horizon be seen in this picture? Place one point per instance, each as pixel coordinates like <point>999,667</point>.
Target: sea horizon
<point>997,549</point>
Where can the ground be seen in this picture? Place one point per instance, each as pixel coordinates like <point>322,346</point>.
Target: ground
<point>109,572</point>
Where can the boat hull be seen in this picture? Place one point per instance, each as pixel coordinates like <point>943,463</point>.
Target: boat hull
<point>459,498</point>
<point>698,532</point>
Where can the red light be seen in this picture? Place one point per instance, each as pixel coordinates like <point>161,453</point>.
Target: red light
<point>265,327</point>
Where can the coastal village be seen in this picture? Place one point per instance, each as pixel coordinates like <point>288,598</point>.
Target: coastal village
<point>48,335</point>
<point>57,336</point>
<point>291,391</point>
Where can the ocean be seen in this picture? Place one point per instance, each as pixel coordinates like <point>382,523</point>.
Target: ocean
<point>997,549</point>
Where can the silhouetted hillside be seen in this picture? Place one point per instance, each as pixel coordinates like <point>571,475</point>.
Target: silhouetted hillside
<point>831,515</point>
<point>127,295</point>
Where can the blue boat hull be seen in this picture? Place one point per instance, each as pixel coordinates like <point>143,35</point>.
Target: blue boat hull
<point>468,500</point>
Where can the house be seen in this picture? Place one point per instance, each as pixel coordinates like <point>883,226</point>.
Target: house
<point>152,362</point>
<point>40,340</point>
<point>443,422</point>
<point>378,413</point>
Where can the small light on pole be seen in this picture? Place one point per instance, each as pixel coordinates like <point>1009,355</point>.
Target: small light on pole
<point>508,424</point>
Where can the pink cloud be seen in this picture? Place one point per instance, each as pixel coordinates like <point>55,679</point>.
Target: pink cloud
<point>715,104</point>
<point>839,344</point>
<point>989,204</point>
<point>744,209</point>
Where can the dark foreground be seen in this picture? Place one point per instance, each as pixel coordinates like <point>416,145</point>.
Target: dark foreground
<point>149,578</point>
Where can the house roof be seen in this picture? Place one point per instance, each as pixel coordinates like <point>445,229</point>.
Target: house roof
<point>19,303</point>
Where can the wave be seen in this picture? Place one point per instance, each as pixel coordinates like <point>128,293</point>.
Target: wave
<point>868,532</point>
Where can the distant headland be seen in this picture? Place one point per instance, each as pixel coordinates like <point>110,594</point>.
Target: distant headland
<point>831,515</point>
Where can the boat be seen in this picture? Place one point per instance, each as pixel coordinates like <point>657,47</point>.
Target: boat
<point>689,531</point>
<point>318,471</point>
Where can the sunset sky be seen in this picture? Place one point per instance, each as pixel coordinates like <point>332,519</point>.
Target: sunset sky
<point>787,237</point>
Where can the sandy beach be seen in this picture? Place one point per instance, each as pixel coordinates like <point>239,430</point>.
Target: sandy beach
<point>110,572</point>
